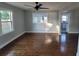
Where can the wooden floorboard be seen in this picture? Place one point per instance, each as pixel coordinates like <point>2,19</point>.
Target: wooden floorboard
<point>42,44</point>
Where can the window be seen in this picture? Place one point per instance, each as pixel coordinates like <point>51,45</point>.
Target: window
<point>40,17</point>
<point>6,22</point>
<point>64,18</point>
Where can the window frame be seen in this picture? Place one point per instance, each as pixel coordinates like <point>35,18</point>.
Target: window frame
<point>11,21</point>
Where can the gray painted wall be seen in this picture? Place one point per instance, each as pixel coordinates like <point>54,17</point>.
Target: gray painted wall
<point>28,20</point>
<point>18,20</point>
<point>74,21</point>
<point>30,27</point>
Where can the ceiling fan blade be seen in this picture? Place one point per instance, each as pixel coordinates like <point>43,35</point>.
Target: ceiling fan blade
<point>43,8</point>
<point>28,5</point>
<point>40,4</point>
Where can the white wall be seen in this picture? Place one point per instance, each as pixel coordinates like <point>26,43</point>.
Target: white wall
<point>18,21</point>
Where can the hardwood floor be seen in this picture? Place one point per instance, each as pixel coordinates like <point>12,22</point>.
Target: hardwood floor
<point>42,44</point>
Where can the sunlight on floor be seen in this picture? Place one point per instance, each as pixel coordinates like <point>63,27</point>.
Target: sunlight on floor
<point>48,40</point>
<point>62,48</point>
<point>63,42</point>
<point>63,37</point>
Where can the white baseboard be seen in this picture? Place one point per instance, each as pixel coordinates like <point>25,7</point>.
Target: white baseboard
<point>38,32</point>
<point>74,32</point>
<point>11,40</point>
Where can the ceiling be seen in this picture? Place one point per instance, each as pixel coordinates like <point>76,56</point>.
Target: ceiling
<point>51,5</point>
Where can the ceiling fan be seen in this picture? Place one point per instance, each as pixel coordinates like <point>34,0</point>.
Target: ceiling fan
<point>37,6</point>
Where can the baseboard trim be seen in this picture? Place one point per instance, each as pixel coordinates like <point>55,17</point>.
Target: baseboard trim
<point>74,32</point>
<point>11,40</point>
<point>39,32</point>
